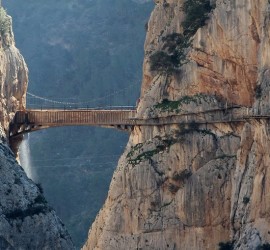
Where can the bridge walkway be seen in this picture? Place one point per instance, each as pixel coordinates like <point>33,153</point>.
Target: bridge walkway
<point>32,120</point>
<point>124,119</point>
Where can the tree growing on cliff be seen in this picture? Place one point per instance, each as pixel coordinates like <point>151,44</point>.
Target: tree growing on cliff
<point>173,53</point>
<point>197,12</point>
<point>172,56</point>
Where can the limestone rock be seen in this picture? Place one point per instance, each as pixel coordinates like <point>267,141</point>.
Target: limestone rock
<point>196,186</point>
<point>13,73</point>
<point>26,220</point>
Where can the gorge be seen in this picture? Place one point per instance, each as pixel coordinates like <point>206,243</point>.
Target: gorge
<point>79,50</point>
<point>193,185</point>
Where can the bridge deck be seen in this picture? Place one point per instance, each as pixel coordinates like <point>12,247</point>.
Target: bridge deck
<point>74,117</point>
<point>31,120</point>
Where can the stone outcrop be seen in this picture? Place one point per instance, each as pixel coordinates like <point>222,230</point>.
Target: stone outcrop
<point>26,220</point>
<point>196,186</point>
<point>13,73</point>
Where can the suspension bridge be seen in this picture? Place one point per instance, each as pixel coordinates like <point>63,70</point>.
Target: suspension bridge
<point>121,117</point>
<point>109,110</point>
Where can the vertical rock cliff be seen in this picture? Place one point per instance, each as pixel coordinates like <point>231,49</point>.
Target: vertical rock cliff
<point>196,186</point>
<point>26,220</point>
<point>13,73</point>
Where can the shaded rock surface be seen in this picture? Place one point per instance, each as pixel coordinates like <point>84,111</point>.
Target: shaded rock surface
<point>26,220</point>
<point>195,186</point>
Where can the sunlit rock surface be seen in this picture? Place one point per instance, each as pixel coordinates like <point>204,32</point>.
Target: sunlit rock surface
<point>193,187</point>
<point>13,73</point>
<point>26,220</point>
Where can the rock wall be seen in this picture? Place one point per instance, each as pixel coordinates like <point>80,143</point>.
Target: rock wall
<point>13,73</point>
<point>26,220</point>
<point>196,186</point>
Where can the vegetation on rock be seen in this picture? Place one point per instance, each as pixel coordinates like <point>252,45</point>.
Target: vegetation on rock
<point>174,51</point>
<point>138,154</point>
<point>197,12</point>
<point>5,22</point>
<point>31,210</point>
<point>172,56</point>
<point>175,106</point>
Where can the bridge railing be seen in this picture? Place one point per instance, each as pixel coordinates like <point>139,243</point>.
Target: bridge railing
<point>74,117</point>
<point>78,107</point>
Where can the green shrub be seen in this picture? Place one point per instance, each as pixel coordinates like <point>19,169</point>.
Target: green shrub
<point>197,12</point>
<point>168,105</point>
<point>172,56</point>
<point>147,155</point>
<point>30,211</point>
<point>5,21</point>
<point>161,61</point>
<point>174,50</point>
<point>134,149</point>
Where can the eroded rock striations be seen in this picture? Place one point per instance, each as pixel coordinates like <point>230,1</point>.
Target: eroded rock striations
<point>196,186</point>
<point>26,220</point>
<point>13,73</point>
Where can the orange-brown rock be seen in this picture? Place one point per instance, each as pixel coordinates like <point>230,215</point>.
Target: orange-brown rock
<point>192,187</point>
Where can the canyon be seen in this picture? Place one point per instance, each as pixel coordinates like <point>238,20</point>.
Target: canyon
<point>179,186</point>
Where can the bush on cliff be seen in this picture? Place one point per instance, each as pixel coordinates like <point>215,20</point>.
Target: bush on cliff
<point>197,12</point>
<point>5,21</point>
<point>173,53</point>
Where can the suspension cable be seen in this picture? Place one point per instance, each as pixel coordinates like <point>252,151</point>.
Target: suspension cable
<point>80,103</point>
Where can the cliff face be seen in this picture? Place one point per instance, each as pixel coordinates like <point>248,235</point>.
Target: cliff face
<point>195,186</point>
<point>13,73</point>
<point>26,220</point>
